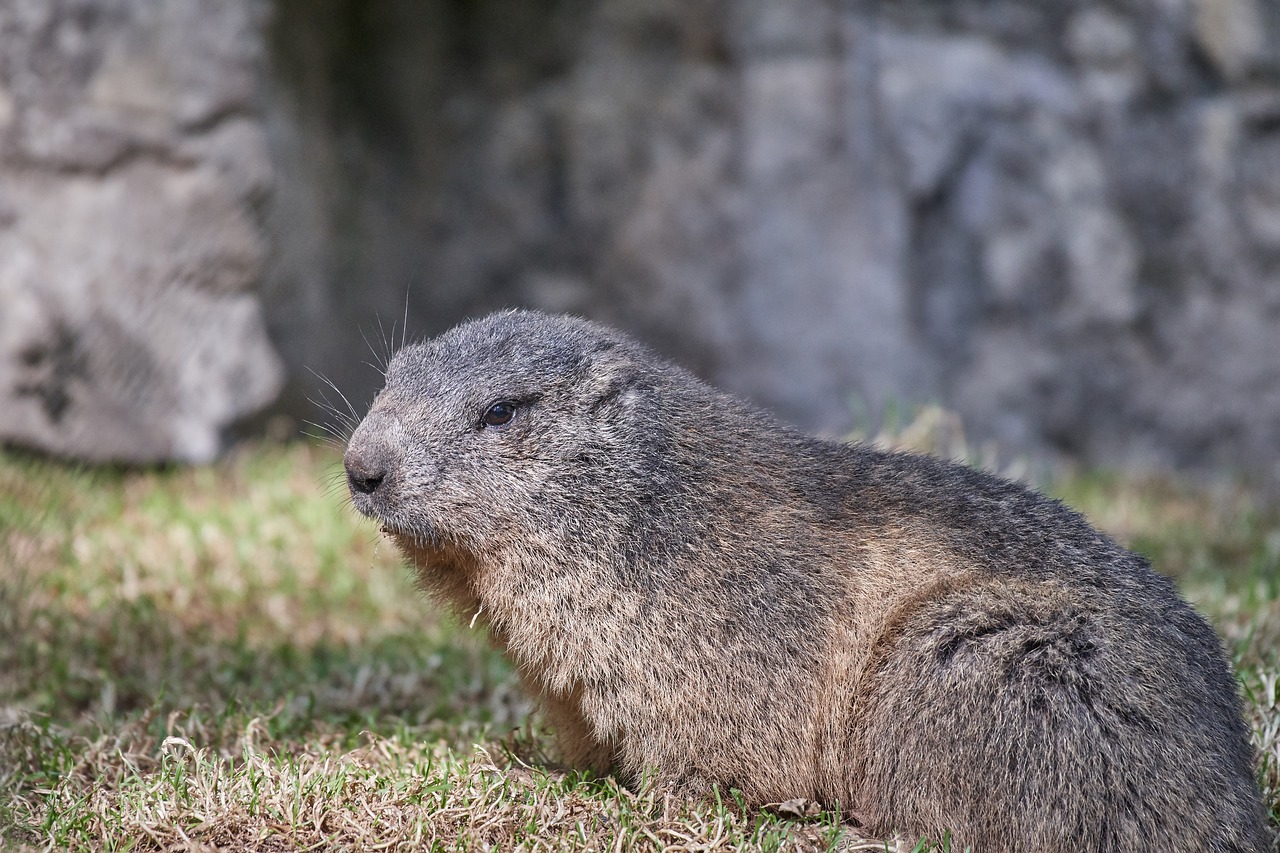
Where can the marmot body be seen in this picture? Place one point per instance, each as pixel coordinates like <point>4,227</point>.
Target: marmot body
<point>701,594</point>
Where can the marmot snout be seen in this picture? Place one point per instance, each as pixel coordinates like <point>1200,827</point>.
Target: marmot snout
<point>698,593</point>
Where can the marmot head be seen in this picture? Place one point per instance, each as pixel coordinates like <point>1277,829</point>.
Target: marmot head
<point>499,428</point>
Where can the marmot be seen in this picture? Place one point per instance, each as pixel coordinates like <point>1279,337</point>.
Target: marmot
<point>706,597</point>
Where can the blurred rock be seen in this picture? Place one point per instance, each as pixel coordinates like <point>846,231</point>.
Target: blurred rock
<point>131,161</point>
<point>1232,32</point>
<point>1060,219</point>
<point>1063,220</point>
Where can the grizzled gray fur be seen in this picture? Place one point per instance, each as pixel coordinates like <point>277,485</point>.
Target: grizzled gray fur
<point>700,594</point>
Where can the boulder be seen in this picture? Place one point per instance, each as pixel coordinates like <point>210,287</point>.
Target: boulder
<point>132,164</point>
<point>1061,220</point>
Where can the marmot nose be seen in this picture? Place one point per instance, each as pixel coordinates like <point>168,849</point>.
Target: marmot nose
<point>365,471</point>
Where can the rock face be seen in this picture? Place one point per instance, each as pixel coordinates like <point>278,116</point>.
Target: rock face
<point>131,162</point>
<point>1060,219</point>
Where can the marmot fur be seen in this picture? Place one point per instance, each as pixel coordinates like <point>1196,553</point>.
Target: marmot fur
<point>700,594</point>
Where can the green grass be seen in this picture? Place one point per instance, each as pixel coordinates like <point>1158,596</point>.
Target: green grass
<point>228,656</point>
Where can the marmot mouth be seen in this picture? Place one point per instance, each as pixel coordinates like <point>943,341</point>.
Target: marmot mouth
<point>403,534</point>
<point>409,531</point>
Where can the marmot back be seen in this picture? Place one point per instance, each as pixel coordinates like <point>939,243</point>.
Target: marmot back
<point>700,594</point>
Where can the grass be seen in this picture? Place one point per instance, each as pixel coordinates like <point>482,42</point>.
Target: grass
<point>194,658</point>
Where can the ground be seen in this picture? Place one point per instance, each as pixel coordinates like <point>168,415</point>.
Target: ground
<point>227,657</point>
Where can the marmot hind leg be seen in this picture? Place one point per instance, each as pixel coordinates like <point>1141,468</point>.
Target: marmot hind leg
<point>1017,717</point>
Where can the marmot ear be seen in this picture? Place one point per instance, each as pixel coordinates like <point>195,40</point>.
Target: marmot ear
<point>610,381</point>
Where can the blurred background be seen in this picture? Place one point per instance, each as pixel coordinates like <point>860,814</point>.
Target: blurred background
<point>1060,220</point>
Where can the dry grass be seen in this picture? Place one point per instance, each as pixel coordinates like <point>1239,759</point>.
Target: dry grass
<point>396,792</point>
<point>226,658</point>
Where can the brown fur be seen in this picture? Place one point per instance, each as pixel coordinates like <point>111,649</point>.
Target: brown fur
<point>700,594</point>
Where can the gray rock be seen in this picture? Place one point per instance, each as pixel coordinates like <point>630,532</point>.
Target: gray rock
<point>131,160</point>
<point>1060,219</point>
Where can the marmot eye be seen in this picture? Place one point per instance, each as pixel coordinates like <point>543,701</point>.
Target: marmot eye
<point>499,414</point>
